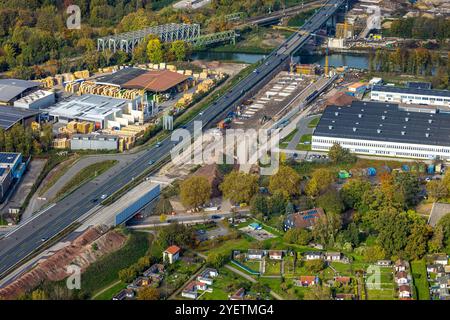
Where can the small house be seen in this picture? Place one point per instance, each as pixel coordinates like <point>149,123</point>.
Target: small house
<point>333,256</point>
<point>306,281</point>
<point>191,290</point>
<point>344,296</point>
<point>126,294</point>
<point>207,276</point>
<point>343,280</point>
<point>401,265</point>
<point>435,268</point>
<point>441,259</point>
<point>384,263</point>
<point>171,254</point>
<point>313,255</point>
<point>140,282</point>
<point>404,291</point>
<point>401,277</point>
<point>276,255</point>
<point>255,254</point>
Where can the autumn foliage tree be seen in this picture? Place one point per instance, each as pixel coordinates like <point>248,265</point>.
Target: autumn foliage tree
<point>195,191</point>
<point>239,187</point>
<point>286,181</point>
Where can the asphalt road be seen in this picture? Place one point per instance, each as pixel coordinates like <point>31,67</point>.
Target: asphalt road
<point>33,234</point>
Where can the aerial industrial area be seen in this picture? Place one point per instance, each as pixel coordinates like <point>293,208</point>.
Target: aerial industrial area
<point>116,184</point>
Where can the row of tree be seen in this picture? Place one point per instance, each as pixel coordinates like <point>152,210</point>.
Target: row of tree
<point>421,28</point>
<point>25,140</point>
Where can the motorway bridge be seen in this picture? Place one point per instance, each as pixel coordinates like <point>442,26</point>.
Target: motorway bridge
<point>33,234</point>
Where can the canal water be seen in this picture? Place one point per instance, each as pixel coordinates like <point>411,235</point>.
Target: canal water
<point>359,61</point>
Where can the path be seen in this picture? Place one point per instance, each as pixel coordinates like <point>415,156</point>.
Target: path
<point>251,279</point>
<point>105,289</point>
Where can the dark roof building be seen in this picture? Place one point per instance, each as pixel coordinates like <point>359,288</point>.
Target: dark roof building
<point>384,129</point>
<point>121,77</point>
<point>13,89</point>
<point>304,219</point>
<point>9,116</point>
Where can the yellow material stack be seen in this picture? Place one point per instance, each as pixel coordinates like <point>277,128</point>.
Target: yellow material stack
<point>84,74</point>
<point>205,86</point>
<point>72,127</point>
<point>72,87</point>
<point>306,69</point>
<point>188,72</point>
<point>35,126</point>
<point>171,67</point>
<point>62,143</point>
<point>85,127</point>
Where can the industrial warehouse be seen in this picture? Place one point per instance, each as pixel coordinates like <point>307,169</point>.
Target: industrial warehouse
<point>11,168</point>
<point>411,95</point>
<point>384,130</point>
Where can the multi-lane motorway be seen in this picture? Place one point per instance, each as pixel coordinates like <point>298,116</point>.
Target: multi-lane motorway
<point>33,234</point>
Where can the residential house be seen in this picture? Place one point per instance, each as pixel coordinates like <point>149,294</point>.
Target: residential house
<point>306,281</point>
<point>343,280</point>
<point>436,268</point>
<point>447,269</point>
<point>276,255</point>
<point>444,282</point>
<point>126,294</point>
<point>401,277</point>
<point>401,265</point>
<point>441,259</point>
<point>255,254</point>
<point>191,290</point>
<point>344,296</point>
<point>171,254</point>
<point>207,276</point>
<point>384,263</point>
<point>404,291</point>
<point>333,256</point>
<point>238,295</point>
<point>157,268</point>
<point>139,283</point>
<point>313,255</point>
<point>303,220</point>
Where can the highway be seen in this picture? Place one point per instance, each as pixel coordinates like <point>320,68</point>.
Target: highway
<point>32,235</point>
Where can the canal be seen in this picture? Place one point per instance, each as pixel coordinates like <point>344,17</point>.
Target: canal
<point>359,61</point>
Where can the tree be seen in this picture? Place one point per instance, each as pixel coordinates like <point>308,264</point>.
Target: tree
<point>127,275</point>
<point>393,231</point>
<point>148,293</point>
<point>195,191</point>
<point>176,234</point>
<point>353,191</point>
<point>315,266</point>
<point>374,253</point>
<point>286,180</point>
<point>331,202</point>
<point>39,295</point>
<point>162,218</point>
<point>437,190</point>
<point>320,181</point>
<point>444,224</point>
<point>408,184</point>
<point>178,49</point>
<point>326,229</point>
<point>259,205</point>
<point>318,292</point>
<point>155,52</point>
<point>417,244</point>
<point>239,187</point>
<point>217,259</point>
<point>297,236</point>
<point>339,155</point>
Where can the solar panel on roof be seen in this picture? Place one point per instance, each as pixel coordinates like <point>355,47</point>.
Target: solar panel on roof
<point>8,157</point>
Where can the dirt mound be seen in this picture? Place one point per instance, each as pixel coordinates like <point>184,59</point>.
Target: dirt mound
<point>83,251</point>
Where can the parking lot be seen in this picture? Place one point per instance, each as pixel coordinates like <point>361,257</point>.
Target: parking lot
<point>259,235</point>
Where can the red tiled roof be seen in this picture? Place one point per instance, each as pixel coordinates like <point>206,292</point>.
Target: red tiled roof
<point>307,218</point>
<point>404,288</point>
<point>342,279</point>
<point>307,278</point>
<point>173,249</point>
<point>156,80</point>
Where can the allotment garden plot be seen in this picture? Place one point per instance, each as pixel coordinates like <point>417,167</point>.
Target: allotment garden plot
<point>259,235</point>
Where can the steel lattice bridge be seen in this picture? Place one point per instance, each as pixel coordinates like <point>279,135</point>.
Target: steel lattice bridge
<point>166,33</point>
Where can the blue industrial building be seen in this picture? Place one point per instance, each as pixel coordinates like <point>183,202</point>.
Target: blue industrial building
<point>12,169</point>
<point>132,207</point>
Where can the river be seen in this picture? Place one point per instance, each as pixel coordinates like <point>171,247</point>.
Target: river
<point>351,60</point>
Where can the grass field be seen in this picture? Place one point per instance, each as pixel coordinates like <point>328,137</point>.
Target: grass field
<point>419,273</point>
<point>225,283</point>
<point>85,175</point>
<point>302,146</point>
<point>273,268</point>
<point>285,141</point>
<point>111,292</point>
<point>104,272</point>
<point>313,123</point>
<point>385,288</point>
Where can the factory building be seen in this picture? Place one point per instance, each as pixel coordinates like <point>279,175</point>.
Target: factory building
<point>11,168</point>
<point>14,89</point>
<point>383,129</point>
<point>411,95</point>
<point>94,142</point>
<point>104,112</point>
<point>11,116</point>
<point>39,99</point>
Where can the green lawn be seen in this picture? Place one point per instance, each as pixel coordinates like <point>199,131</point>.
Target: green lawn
<point>313,123</point>
<point>302,146</point>
<point>104,272</point>
<point>225,283</point>
<point>273,268</point>
<point>111,292</point>
<point>386,289</point>
<point>419,273</point>
<point>253,265</point>
<point>85,175</point>
<point>285,141</point>
<point>228,246</point>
